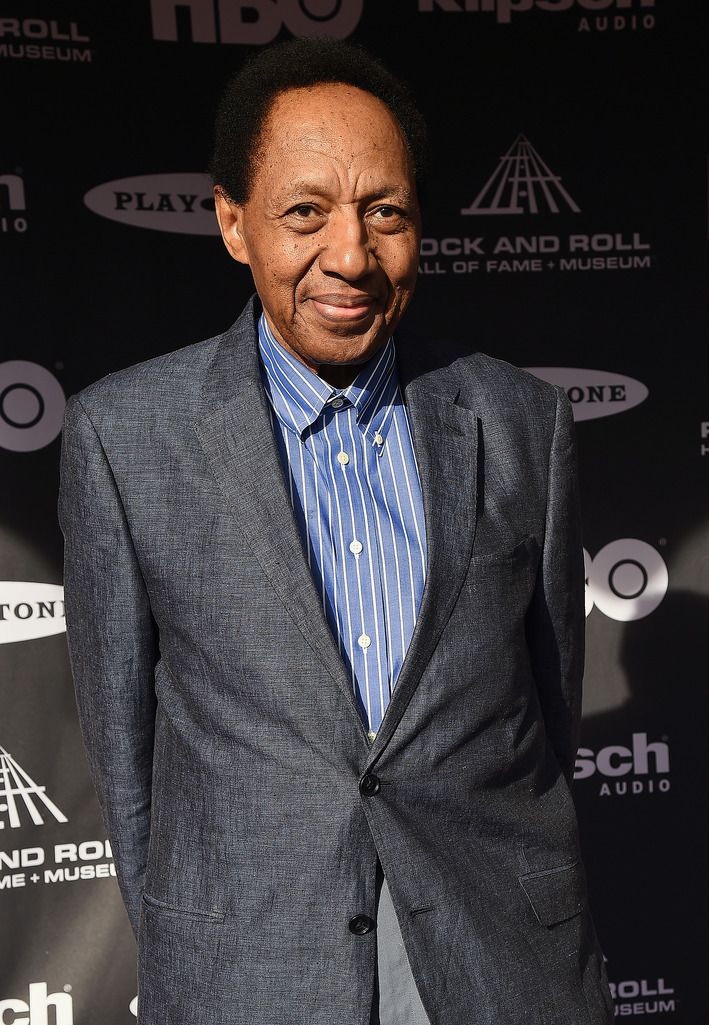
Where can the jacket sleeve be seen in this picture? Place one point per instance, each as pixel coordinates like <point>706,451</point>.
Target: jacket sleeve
<point>556,618</point>
<point>113,647</point>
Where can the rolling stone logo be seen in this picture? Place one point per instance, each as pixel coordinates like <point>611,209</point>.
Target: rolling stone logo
<point>594,393</point>
<point>587,15</point>
<point>13,205</point>
<point>523,185</point>
<point>627,770</point>
<point>254,23</point>
<point>29,609</point>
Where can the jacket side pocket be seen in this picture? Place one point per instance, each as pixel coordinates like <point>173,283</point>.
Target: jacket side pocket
<point>192,914</point>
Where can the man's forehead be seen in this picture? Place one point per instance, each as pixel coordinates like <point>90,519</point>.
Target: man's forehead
<point>299,177</point>
<point>330,117</point>
<point>321,137</point>
<point>327,96</point>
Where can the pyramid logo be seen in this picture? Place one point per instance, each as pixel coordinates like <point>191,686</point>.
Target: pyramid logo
<point>16,784</point>
<point>521,184</point>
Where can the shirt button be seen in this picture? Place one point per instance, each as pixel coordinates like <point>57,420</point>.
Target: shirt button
<point>336,403</point>
<point>360,925</point>
<point>364,640</point>
<point>378,439</point>
<point>355,547</point>
<point>372,734</point>
<point>343,458</point>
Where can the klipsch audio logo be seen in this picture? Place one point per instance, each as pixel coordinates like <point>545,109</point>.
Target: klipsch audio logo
<point>37,39</point>
<point>21,799</point>
<point>617,16</point>
<point>635,997</point>
<point>181,203</point>
<point>31,406</point>
<point>626,580</point>
<point>641,767</point>
<point>40,1007</point>
<point>594,393</point>
<point>254,23</point>
<point>554,232</point>
<point>13,205</point>
<point>29,609</point>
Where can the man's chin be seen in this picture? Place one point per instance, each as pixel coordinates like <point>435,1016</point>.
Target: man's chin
<point>317,342</point>
<point>350,349</point>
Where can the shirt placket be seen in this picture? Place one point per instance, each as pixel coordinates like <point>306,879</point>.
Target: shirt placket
<point>357,572</point>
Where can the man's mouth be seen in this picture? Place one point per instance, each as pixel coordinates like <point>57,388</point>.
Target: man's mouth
<point>339,308</point>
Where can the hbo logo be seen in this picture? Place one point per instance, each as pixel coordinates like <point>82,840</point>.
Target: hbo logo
<point>31,406</point>
<point>627,579</point>
<point>256,22</point>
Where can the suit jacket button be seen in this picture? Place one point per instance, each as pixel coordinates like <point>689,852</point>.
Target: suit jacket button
<point>360,925</point>
<point>369,785</point>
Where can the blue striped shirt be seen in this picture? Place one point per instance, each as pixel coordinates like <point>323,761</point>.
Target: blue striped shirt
<point>354,487</point>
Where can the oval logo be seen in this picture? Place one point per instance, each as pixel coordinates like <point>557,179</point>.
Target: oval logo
<point>29,609</point>
<point>31,406</point>
<point>594,393</point>
<point>180,203</point>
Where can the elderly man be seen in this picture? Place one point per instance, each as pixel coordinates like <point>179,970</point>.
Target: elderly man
<point>325,614</point>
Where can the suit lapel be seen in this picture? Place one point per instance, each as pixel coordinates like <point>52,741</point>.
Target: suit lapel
<point>445,438</point>
<point>237,439</point>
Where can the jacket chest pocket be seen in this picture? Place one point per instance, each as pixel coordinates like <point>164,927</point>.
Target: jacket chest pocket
<point>500,581</point>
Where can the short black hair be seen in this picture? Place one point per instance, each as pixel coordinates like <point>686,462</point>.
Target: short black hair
<point>298,64</point>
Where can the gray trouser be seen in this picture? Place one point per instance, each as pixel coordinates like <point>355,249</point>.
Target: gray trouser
<point>396,998</point>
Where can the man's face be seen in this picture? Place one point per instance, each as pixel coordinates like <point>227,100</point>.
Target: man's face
<point>331,228</point>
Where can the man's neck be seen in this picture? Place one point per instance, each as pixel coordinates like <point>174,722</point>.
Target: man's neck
<point>339,375</point>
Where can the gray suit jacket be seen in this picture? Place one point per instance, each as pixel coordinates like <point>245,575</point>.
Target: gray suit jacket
<point>221,730</point>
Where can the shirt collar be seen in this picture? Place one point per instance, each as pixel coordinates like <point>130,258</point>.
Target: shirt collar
<point>298,396</point>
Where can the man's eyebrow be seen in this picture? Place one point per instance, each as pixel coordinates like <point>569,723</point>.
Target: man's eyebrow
<point>302,187</point>
<point>399,192</point>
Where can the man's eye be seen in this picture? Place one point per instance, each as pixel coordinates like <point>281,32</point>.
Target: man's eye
<point>302,210</point>
<point>388,213</point>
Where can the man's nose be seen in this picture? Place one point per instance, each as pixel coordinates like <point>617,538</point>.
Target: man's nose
<point>347,252</point>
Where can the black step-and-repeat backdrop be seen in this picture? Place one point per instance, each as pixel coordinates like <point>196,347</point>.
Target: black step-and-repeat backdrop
<point>565,232</point>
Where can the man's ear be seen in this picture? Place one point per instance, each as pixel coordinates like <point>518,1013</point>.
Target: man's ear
<point>231,219</point>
